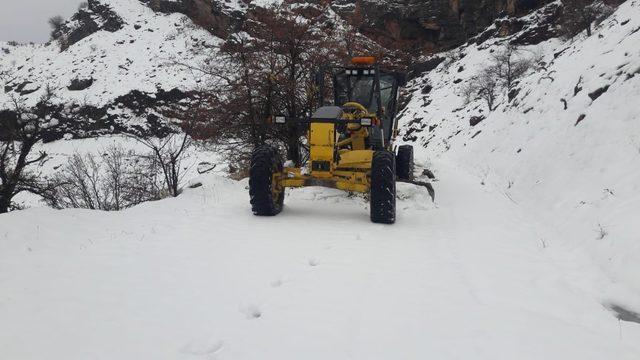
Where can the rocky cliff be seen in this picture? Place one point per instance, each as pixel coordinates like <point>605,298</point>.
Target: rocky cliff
<point>430,25</point>
<point>414,25</point>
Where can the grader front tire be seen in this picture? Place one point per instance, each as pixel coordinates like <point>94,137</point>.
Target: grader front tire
<point>265,199</point>
<point>383,188</point>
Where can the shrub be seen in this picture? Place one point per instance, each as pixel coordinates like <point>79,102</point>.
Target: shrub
<point>112,181</point>
<point>501,73</point>
<point>56,23</point>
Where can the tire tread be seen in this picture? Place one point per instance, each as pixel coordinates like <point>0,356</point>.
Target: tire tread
<point>265,161</point>
<point>383,188</point>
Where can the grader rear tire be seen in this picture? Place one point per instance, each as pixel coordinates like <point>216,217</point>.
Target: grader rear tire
<point>383,188</point>
<point>265,162</point>
<point>404,162</point>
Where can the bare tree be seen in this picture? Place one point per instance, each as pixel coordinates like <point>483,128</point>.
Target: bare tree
<point>509,64</point>
<point>229,109</point>
<point>169,154</point>
<point>265,69</point>
<point>292,42</point>
<point>506,66</point>
<point>21,128</point>
<point>112,180</point>
<point>484,86</point>
<point>580,15</point>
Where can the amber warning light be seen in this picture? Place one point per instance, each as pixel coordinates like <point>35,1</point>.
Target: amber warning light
<point>363,60</point>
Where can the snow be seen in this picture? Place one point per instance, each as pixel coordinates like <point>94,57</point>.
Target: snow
<point>532,241</point>
<point>200,277</point>
<point>579,181</point>
<point>129,59</point>
<point>266,3</point>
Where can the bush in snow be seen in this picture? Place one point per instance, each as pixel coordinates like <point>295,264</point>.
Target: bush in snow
<point>167,155</point>
<point>111,181</point>
<point>509,65</point>
<point>56,23</point>
<point>506,66</point>
<point>484,86</point>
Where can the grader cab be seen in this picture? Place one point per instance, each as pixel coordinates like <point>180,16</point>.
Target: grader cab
<point>350,144</point>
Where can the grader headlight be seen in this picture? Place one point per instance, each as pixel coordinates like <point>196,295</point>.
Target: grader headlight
<point>363,60</point>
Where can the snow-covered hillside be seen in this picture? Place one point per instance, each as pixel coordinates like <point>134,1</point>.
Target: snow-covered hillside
<point>116,65</point>
<point>136,57</point>
<point>575,169</point>
<point>109,79</point>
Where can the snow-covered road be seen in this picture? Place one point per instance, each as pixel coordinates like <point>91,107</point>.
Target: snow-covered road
<point>199,277</point>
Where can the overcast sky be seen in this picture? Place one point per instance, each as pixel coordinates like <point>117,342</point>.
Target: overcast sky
<point>26,20</point>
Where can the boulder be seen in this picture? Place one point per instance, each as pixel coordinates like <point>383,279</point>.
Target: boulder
<point>80,84</point>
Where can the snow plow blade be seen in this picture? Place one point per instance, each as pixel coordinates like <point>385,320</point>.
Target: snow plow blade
<point>425,184</point>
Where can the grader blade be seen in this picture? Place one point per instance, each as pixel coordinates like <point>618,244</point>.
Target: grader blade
<point>425,184</point>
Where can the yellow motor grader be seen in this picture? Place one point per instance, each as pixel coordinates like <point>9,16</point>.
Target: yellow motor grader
<point>350,144</point>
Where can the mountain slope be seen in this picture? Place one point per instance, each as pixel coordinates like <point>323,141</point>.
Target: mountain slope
<point>111,48</point>
<point>574,168</point>
<point>136,57</point>
<point>117,65</point>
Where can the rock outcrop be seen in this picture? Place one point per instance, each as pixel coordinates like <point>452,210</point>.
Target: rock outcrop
<point>96,16</point>
<point>428,25</point>
<point>212,15</point>
<point>416,25</point>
